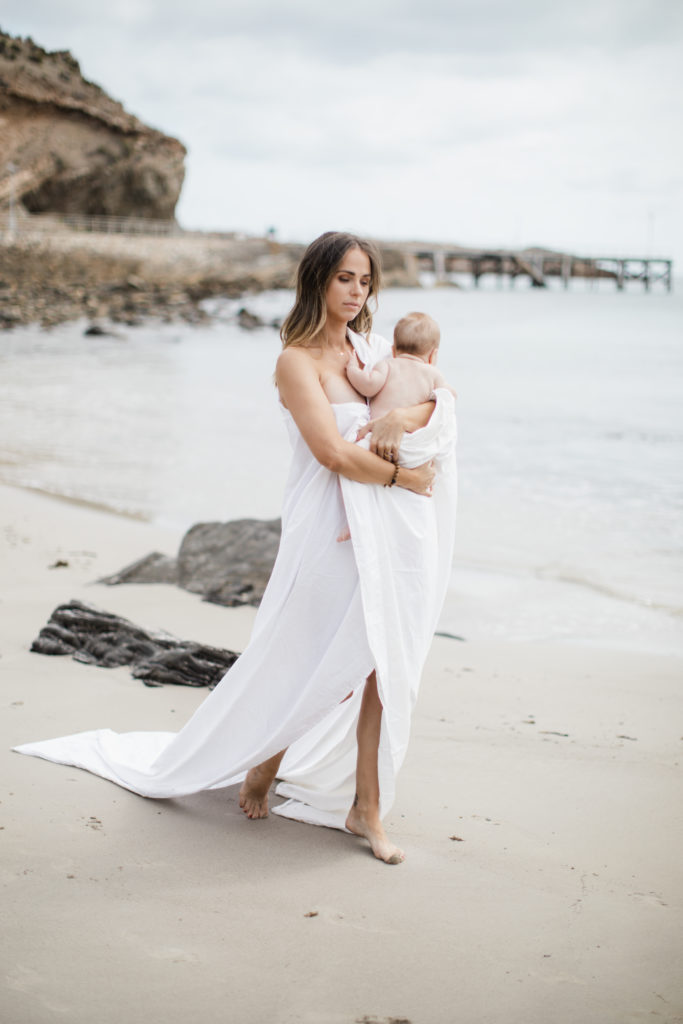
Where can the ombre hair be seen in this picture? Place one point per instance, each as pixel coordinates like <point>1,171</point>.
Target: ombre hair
<point>318,265</point>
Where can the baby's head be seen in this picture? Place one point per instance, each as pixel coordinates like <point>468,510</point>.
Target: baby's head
<point>416,334</point>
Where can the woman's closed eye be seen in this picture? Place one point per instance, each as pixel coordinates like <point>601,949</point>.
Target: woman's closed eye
<point>346,280</point>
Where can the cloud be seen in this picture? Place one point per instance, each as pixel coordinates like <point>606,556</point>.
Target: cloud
<point>470,119</point>
<point>357,31</point>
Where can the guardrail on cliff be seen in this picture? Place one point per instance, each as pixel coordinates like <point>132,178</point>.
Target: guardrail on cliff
<point>102,225</point>
<point>24,224</point>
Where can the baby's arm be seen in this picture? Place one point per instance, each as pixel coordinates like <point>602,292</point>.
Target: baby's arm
<point>367,382</point>
<point>439,381</point>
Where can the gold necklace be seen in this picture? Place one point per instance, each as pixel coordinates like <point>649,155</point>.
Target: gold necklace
<point>337,351</point>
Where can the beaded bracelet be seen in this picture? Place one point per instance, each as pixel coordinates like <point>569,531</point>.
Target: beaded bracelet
<point>394,477</point>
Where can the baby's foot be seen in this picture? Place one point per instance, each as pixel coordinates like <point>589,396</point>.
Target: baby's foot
<point>344,535</point>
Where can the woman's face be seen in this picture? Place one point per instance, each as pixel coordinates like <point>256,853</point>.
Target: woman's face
<point>348,289</point>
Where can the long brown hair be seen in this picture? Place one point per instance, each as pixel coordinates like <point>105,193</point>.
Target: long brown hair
<point>307,317</point>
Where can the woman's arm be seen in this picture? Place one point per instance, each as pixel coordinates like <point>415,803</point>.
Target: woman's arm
<point>388,431</point>
<point>302,394</point>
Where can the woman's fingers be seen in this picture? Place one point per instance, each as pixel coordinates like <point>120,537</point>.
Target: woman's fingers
<point>386,437</point>
<point>385,450</point>
<point>387,433</point>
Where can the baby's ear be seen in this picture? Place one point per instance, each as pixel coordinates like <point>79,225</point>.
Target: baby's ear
<point>432,355</point>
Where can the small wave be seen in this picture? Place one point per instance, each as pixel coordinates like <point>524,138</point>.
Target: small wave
<point>645,436</point>
<point>72,499</point>
<point>558,574</point>
<point>561,576</point>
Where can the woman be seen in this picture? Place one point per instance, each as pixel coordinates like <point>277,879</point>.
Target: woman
<point>304,701</point>
<point>337,277</point>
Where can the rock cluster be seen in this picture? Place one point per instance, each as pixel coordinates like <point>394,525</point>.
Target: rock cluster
<point>51,277</point>
<point>227,563</point>
<point>50,287</point>
<point>99,638</point>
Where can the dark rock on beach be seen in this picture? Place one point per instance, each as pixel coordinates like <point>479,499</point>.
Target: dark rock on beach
<point>227,563</point>
<point>98,331</point>
<point>152,568</point>
<point>249,321</point>
<point>97,637</point>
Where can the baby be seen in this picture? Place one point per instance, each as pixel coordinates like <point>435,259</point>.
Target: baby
<point>409,378</point>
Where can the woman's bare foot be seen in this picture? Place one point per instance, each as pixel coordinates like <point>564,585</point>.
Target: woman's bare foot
<point>255,788</point>
<point>371,828</point>
<point>254,793</point>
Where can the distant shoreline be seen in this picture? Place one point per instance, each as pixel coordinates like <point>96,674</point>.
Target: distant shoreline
<point>53,274</point>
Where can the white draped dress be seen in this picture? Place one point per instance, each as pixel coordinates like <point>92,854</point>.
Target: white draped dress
<point>332,612</point>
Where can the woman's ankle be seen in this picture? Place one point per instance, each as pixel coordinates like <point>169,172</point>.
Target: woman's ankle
<point>367,809</point>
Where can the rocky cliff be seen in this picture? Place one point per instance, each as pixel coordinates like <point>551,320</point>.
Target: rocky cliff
<point>67,147</point>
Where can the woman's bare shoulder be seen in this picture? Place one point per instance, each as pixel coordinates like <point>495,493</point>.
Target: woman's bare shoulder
<point>297,376</point>
<point>295,361</point>
<point>292,354</point>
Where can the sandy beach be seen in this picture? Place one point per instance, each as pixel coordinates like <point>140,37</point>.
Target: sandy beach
<point>539,806</point>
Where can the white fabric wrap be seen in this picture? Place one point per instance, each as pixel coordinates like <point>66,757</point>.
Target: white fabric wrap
<point>330,614</point>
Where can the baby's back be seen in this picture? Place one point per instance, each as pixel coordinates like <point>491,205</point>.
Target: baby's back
<point>409,382</point>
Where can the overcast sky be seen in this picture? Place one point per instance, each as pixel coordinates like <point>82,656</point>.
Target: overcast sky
<point>473,121</point>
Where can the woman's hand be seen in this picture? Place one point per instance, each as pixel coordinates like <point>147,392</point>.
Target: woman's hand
<point>419,480</point>
<point>388,431</point>
<point>387,434</point>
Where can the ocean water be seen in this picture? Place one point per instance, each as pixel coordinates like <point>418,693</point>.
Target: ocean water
<point>570,446</point>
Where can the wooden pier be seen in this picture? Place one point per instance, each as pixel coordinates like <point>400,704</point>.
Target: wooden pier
<point>538,265</point>
<point>407,259</point>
